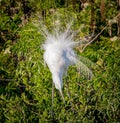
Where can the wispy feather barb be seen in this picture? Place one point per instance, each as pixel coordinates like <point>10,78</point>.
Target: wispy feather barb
<point>59,55</point>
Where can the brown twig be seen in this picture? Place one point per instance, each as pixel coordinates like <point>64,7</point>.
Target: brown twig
<point>6,80</point>
<point>94,38</point>
<point>97,35</point>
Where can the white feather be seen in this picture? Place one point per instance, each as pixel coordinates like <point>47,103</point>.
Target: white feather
<point>59,55</point>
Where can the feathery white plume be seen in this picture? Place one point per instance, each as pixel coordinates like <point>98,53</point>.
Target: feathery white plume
<point>59,55</point>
